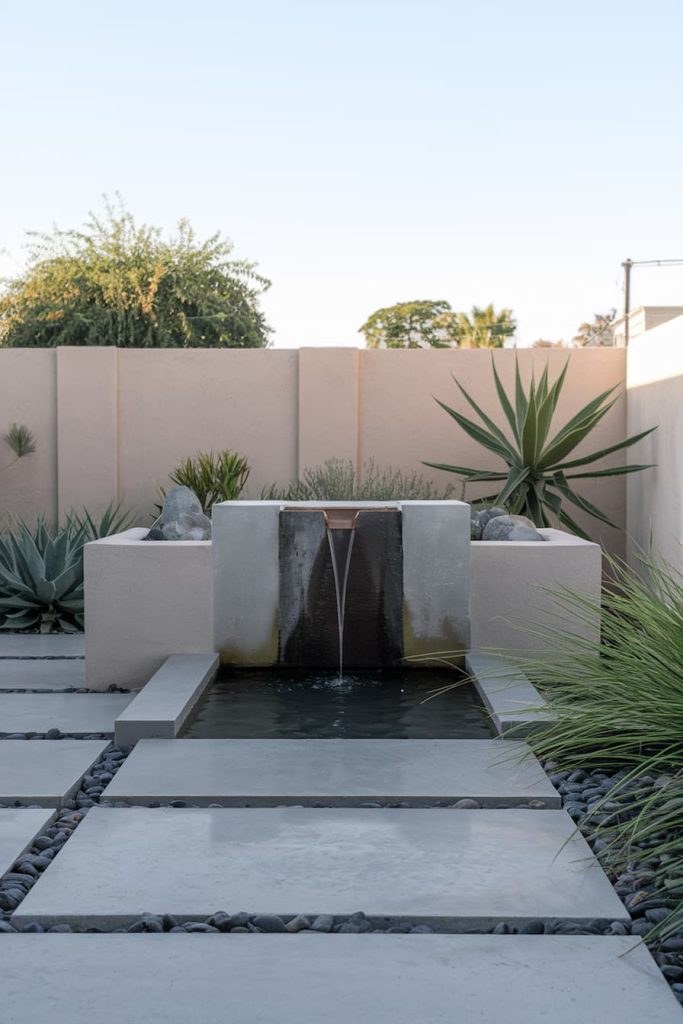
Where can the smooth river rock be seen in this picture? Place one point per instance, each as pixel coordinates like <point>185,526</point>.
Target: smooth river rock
<point>511,528</point>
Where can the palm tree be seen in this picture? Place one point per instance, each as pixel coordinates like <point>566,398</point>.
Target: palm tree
<point>599,332</point>
<point>484,327</point>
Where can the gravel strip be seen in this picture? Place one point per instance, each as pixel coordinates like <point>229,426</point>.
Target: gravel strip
<point>28,868</point>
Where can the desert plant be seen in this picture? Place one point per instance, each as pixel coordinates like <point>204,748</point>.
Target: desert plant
<point>113,520</point>
<point>337,480</point>
<point>213,477</point>
<point>20,442</point>
<point>538,474</point>
<point>41,577</point>
<point>618,704</point>
<point>41,570</point>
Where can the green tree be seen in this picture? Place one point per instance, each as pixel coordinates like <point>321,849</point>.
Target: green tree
<point>599,331</point>
<point>420,324</point>
<point>117,283</point>
<point>484,327</point>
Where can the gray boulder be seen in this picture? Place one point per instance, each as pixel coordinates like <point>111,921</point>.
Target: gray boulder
<point>511,528</point>
<point>181,518</point>
<point>487,514</point>
<point>479,519</point>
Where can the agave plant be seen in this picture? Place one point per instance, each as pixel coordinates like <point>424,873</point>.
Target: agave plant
<point>539,475</point>
<point>41,578</point>
<point>41,571</point>
<point>219,477</point>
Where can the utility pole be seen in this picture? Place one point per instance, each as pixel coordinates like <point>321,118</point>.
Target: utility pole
<point>627,264</point>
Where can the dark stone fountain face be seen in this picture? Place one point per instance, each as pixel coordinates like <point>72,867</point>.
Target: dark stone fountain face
<point>373,633</point>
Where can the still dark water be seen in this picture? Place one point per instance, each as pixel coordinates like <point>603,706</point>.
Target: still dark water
<point>257,704</point>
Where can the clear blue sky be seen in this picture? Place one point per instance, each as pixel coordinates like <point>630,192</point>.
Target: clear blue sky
<point>364,152</point>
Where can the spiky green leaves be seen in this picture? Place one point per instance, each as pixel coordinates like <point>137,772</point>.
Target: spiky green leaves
<point>20,441</point>
<point>213,478</point>
<point>41,571</point>
<point>617,703</point>
<point>535,482</point>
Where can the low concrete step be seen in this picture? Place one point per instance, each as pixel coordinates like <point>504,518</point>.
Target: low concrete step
<point>37,645</point>
<point>261,773</point>
<point>41,673</point>
<point>45,773</point>
<point>18,828</point>
<point>77,713</point>
<point>456,868</point>
<point>308,978</point>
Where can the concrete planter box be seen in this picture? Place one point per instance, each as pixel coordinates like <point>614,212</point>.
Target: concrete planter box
<point>507,584</point>
<point>144,601</point>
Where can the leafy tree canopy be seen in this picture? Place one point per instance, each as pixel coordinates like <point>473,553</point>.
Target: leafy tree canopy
<point>434,324</point>
<point>420,324</point>
<point>117,283</point>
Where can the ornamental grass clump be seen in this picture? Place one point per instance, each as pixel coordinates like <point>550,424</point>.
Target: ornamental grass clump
<point>338,480</point>
<point>618,704</point>
<point>539,477</point>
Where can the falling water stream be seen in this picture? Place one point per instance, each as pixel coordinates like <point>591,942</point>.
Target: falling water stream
<point>341,546</point>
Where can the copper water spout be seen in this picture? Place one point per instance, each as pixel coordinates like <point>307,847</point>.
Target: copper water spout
<point>341,518</point>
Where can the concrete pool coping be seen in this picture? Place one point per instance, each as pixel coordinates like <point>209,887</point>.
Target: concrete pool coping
<point>161,709</point>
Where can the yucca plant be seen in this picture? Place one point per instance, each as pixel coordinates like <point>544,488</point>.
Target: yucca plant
<point>20,441</point>
<point>213,477</point>
<point>41,570</point>
<point>618,705</point>
<point>539,475</point>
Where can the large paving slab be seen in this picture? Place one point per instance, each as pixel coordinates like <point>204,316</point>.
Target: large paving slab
<point>77,713</point>
<point>452,867</point>
<point>41,673</point>
<point>36,645</point>
<point>339,772</point>
<point>45,773</point>
<point>308,978</point>
<point>18,828</point>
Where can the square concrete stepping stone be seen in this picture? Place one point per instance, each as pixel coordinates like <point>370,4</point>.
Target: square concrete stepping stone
<point>36,645</point>
<point>18,828</point>
<point>308,978</point>
<point>452,867</point>
<point>41,673</point>
<point>45,773</point>
<point>77,713</point>
<point>338,772</point>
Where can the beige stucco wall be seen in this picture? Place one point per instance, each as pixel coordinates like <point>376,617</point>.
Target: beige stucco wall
<point>28,395</point>
<point>402,425</point>
<point>144,601</point>
<point>655,397</point>
<point>112,423</point>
